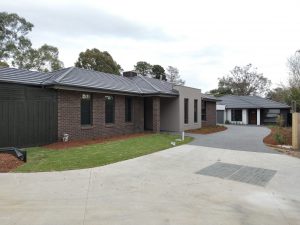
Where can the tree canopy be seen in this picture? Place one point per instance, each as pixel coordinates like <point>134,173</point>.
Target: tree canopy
<point>158,72</point>
<point>243,80</point>
<point>16,48</point>
<point>143,68</point>
<point>94,59</point>
<point>173,76</point>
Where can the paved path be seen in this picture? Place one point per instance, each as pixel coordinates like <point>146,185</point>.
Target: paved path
<point>243,138</point>
<point>163,188</point>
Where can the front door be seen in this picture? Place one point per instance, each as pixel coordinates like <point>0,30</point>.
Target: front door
<point>252,116</point>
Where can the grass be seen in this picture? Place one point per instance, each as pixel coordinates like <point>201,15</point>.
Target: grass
<point>41,159</point>
<point>208,130</point>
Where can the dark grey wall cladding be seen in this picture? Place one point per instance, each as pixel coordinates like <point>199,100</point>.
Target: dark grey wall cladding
<point>28,115</point>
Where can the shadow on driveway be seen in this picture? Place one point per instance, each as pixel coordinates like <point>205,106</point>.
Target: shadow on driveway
<point>242,138</point>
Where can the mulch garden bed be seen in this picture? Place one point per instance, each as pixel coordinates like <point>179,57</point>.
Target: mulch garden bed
<point>207,130</point>
<point>285,131</point>
<point>9,162</point>
<point>79,143</point>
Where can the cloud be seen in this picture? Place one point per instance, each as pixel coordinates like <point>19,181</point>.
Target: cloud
<point>79,20</point>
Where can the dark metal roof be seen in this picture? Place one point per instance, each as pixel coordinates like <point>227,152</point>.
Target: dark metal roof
<point>209,98</point>
<point>21,76</point>
<point>89,79</point>
<point>248,102</point>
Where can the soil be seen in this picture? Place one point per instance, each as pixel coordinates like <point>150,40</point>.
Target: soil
<point>207,130</point>
<point>78,143</point>
<point>9,162</point>
<point>285,131</point>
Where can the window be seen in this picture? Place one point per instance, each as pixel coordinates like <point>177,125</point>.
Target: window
<point>128,109</point>
<point>195,110</point>
<point>86,109</point>
<point>236,115</point>
<point>186,111</point>
<point>109,109</point>
<point>270,115</point>
<point>203,110</point>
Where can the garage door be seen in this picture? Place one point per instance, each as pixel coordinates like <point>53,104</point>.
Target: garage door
<point>220,116</point>
<point>28,116</point>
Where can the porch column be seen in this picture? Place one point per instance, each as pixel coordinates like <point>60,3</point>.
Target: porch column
<point>258,117</point>
<point>156,114</point>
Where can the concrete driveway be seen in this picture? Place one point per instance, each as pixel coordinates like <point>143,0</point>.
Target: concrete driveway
<point>242,138</point>
<point>167,187</point>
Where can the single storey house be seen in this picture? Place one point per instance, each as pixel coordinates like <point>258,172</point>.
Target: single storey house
<point>39,108</point>
<point>250,110</point>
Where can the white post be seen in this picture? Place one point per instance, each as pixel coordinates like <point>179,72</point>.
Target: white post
<point>182,136</point>
<point>258,117</point>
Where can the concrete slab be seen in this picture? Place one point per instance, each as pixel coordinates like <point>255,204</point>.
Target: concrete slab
<point>161,188</point>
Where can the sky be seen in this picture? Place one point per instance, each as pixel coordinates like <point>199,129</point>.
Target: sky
<point>203,39</point>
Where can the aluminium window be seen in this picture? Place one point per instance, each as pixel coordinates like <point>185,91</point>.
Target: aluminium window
<point>128,109</point>
<point>203,110</point>
<point>236,115</point>
<point>109,109</point>
<point>186,110</point>
<point>195,110</point>
<point>86,109</point>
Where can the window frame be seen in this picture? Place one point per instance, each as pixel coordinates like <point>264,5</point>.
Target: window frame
<point>84,99</point>
<point>195,110</point>
<point>233,115</point>
<point>109,119</point>
<point>186,110</point>
<point>128,109</point>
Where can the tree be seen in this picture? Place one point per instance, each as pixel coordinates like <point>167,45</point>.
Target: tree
<point>94,59</point>
<point>143,68</point>
<point>245,81</point>
<point>220,92</point>
<point>16,49</point>
<point>294,69</point>
<point>173,76</point>
<point>3,64</point>
<point>158,72</point>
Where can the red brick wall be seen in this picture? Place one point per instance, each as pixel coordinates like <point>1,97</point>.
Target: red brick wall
<point>156,114</point>
<point>211,119</point>
<point>69,116</point>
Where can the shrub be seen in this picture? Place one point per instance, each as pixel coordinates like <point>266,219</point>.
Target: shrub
<point>227,122</point>
<point>280,121</point>
<point>279,137</point>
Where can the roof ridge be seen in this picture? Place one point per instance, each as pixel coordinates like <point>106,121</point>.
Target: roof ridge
<point>148,83</point>
<point>239,97</point>
<point>63,75</point>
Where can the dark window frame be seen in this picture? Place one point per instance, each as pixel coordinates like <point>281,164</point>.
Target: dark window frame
<point>128,109</point>
<point>186,111</point>
<point>86,109</point>
<point>195,110</point>
<point>237,117</point>
<point>203,110</point>
<point>109,109</point>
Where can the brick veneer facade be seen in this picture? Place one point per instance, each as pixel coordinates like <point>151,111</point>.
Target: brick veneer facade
<point>210,114</point>
<point>69,116</point>
<point>156,114</point>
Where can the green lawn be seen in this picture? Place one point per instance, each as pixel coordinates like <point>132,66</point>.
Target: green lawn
<point>43,159</point>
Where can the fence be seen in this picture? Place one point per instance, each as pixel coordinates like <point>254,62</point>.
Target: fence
<point>296,131</point>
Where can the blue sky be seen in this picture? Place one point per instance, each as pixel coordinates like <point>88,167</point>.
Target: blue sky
<point>203,39</point>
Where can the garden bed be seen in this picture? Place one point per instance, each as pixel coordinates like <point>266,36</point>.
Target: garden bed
<point>208,130</point>
<point>284,132</point>
<point>9,162</point>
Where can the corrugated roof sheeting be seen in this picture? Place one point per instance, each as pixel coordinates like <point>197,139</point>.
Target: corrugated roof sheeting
<point>248,102</point>
<point>77,77</point>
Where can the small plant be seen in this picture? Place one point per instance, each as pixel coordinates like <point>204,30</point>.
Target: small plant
<point>280,121</point>
<point>227,122</point>
<point>280,137</point>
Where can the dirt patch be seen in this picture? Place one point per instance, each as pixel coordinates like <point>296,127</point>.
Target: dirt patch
<point>290,152</point>
<point>286,133</point>
<point>207,130</point>
<point>79,143</point>
<point>9,162</point>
